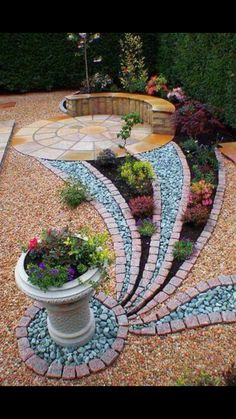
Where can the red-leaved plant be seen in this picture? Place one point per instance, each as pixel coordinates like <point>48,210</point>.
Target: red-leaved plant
<point>196,215</point>
<point>142,206</point>
<point>195,119</point>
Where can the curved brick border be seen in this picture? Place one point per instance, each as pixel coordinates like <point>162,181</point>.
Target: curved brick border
<point>191,321</point>
<point>166,265</point>
<point>112,227</point>
<point>187,266</point>
<point>56,370</point>
<point>135,236</point>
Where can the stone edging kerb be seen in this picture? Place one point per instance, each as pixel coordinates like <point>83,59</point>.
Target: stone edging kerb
<point>191,321</point>
<point>55,369</point>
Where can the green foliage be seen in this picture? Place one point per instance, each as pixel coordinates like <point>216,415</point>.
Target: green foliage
<point>182,250</point>
<point>137,174</point>
<point>147,228</point>
<point>203,379</point>
<point>190,146</point>
<point>137,86</point>
<point>204,65</point>
<point>130,119</point>
<point>73,194</point>
<point>41,61</point>
<point>199,175</point>
<point>64,256</point>
<point>47,276</point>
<point>132,61</point>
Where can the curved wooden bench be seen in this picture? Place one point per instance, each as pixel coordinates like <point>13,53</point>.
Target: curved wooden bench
<point>153,110</point>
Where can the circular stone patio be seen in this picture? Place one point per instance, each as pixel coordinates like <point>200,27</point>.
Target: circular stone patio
<point>83,138</point>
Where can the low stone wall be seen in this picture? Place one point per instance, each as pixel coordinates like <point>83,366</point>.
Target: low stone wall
<point>153,110</point>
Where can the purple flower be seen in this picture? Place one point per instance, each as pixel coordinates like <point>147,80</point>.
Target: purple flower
<point>42,265</point>
<point>71,273</point>
<point>54,271</point>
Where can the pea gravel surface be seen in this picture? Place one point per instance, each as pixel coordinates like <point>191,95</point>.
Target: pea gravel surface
<point>28,201</point>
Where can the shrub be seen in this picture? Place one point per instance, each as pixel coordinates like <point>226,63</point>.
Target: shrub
<point>203,173</point>
<point>196,215</point>
<point>107,158</point>
<point>137,174</point>
<point>206,155</point>
<point>190,146</point>
<point>132,60</point>
<point>176,95</point>
<point>195,119</point>
<point>73,194</point>
<point>201,193</point>
<point>142,206</point>
<point>182,250</point>
<point>137,86</point>
<point>157,84</point>
<point>230,375</point>
<point>146,227</point>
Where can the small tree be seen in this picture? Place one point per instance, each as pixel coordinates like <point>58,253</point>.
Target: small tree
<point>133,71</point>
<point>130,119</point>
<point>83,40</point>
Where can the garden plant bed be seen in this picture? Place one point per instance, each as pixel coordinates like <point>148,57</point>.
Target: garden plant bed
<point>113,174</point>
<point>189,232</point>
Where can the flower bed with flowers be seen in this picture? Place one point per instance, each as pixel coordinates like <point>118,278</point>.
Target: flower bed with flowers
<point>61,256</point>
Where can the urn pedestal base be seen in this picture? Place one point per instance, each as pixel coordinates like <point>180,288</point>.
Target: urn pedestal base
<point>70,320</point>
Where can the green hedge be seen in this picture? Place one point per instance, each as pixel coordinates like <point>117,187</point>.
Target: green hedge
<point>35,61</point>
<point>39,61</point>
<point>204,64</point>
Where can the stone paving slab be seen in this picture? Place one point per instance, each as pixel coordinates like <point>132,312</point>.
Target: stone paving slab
<point>229,150</point>
<point>82,138</point>
<point>6,128</point>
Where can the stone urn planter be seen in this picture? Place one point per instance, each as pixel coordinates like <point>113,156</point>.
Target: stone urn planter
<point>70,319</point>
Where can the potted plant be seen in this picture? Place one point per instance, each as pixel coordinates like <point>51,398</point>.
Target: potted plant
<point>61,270</point>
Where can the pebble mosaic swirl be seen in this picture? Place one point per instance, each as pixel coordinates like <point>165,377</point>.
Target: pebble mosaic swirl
<point>218,299</point>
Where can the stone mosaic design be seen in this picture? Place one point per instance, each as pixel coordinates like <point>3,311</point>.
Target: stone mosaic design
<point>83,138</point>
<point>215,300</point>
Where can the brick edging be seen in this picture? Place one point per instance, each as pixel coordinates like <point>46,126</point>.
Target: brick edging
<point>187,266</point>
<point>135,236</point>
<point>55,369</point>
<point>183,298</point>
<point>164,270</point>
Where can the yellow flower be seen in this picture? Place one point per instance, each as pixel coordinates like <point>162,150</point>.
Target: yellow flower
<point>68,241</point>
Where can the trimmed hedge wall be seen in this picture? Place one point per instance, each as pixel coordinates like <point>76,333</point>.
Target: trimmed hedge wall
<point>35,61</point>
<point>39,61</point>
<point>204,64</point>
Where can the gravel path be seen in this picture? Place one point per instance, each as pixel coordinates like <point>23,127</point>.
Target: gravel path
<point>31,107</point>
